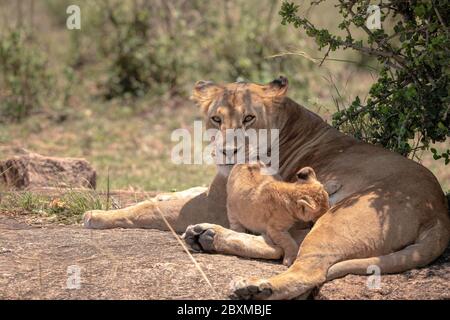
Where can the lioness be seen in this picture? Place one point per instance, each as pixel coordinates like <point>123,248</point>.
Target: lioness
<point>263,204</point>
<point>390,212</point>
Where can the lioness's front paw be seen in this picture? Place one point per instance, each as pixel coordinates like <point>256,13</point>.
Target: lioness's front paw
<point>200,237</point>
<point>251,289</point>
<point>88,221</point>
<point>94,219</point>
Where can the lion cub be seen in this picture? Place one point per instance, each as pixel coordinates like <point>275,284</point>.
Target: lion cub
<point>265,204</point>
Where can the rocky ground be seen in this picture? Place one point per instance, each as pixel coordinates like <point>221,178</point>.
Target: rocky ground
<point>36,260</point>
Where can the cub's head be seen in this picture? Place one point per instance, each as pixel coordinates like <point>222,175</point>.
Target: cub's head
<point>238,107</point>
<point>313,200</point>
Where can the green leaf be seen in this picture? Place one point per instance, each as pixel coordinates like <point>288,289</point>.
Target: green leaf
<point>420,10</point>
<point>436,157</point>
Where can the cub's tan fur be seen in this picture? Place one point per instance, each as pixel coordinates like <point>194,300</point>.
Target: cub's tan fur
<point>265,204</point>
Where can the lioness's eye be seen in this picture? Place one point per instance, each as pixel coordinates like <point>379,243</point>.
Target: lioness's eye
<point>216,119</point>
<point>248,118</point>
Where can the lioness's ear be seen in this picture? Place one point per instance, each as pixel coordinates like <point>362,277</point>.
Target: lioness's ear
<point>276,88</point>
<point>204,92</point>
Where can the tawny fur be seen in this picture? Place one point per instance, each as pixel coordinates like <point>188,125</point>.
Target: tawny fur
<point>264,203</point>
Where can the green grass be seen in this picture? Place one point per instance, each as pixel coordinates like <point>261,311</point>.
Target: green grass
<point>66,208</point>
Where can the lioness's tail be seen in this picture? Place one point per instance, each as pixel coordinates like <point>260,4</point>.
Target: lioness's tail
<point>430,244</point>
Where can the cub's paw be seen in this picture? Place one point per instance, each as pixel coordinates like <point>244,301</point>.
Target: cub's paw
<point>200,237</point>
<point>332,186</point>
<point>251,289</point>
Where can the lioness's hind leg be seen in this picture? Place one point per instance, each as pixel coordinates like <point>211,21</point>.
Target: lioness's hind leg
<point>429,245</point>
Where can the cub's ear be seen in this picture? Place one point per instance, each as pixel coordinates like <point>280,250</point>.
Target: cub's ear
<point>204,92</point>
<point>306,174</point>
<point>308,204</point>
<point>276,88</point>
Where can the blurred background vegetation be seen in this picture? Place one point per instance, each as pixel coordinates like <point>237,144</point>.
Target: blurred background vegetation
<point>113,91</point>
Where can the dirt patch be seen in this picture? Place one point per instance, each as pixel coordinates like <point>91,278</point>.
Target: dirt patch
<point>150,264</point>
<point>114,264</point>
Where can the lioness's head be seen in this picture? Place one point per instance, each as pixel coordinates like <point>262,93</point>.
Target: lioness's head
<point>239,107</point>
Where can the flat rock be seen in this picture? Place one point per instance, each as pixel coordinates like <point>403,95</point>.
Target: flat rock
<point>39,262</point>
<point>31,171</point>
<point>428,283</point>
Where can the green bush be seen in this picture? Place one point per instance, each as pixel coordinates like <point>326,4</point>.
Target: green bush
<point>165,47</point>
<point>408,108</point>
<point>24,78</point>
<point>147,48</point>
<point>57,9</point>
